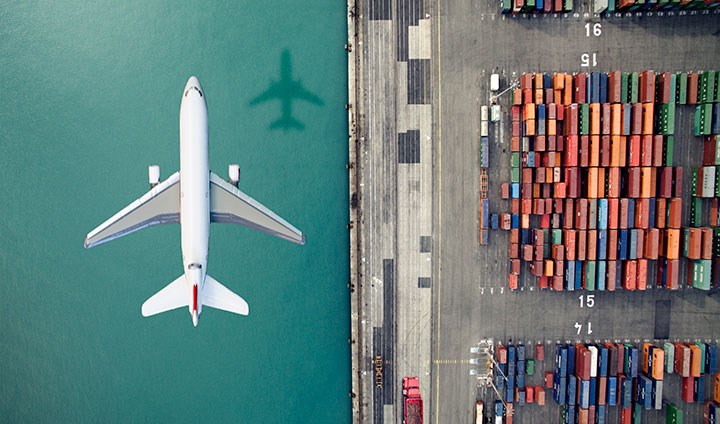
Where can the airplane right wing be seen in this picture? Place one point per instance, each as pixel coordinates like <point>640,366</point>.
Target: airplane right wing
<point>160,205</point>
<point>228,205</point>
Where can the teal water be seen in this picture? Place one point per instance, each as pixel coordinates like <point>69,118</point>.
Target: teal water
<point>90,96</point>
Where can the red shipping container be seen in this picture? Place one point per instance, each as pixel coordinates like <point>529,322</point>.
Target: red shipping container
<point>652,241</point>
<point>514,144</point>
<point>707,243</point>
<point>692,88</point>
<point>663,92</point>
<point>581,243</point>
<point>647,86</point>
<point>528,251</point>
<point>611,269</point>
<point>513,252</point>
<point>660,213</point>
<point>612,241</point>
<point>559,204</point>
<point>584,151</point>
<point>605,150</point>
<point>539,352</point>
<point>571,150</point>
<point>635,150</point>
<point>559,190</point>
<point>633,182</point>
<point>548,379</point>
<point>626,413</point>
<point>641,274</point>
<point>540,395</point>
<point>514,234</point>
<point>527,175</point>
<point>512,281</point>
<point>694,244</point>
<point>515,129</point>
<point>657,155</point>
<point>572,180</point>
<point>646,150</point>
<point>672,276</point>
<point>613,212</point>
<point>642,214</point>
<point>582,362</point>
<point>515,266</point>
<point>666,178</point>
<point>527,96</point>
<point>640,234</point>
<point>591,245</point>
<point>571,121</point>
<point>529,394</point>
<point>558,283</point>
<point>526,80</point>
<point>636,121</point>
<point>561,112</point>
<point>674,213</point>
<point>569,214</point>
<point>605,119</point>
<point>678,182</point>
<point>580,80</point>
<point>558,252</point>
<point>686,392</point>
<point>614,87</point>
<point>570,244</point>
<point>623,224</point>
<point>613,182</point>
<point>630,275</point>
<point>581,214</point>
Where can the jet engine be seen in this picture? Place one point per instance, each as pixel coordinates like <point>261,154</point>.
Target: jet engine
<point>153,175</point>
<point>234,174</point>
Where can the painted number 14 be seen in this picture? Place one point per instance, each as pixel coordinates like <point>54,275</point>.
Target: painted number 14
<point>579,327</point>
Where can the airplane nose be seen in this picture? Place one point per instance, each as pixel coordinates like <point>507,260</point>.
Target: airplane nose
<point>193,81</point>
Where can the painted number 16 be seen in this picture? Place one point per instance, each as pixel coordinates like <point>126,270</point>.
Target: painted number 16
<point>593,29</point>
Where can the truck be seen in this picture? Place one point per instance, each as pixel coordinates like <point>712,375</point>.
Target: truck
<point>412,402</point>
<point>479,413</point>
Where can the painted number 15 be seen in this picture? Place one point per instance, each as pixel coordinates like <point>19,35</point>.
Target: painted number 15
<point>587,300</point>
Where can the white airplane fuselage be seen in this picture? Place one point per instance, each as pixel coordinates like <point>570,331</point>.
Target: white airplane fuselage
<point>194,192</point>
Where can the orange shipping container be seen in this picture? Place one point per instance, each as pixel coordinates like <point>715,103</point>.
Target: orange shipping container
<point>612,245</point>
<point>674,213</point>
<point>658,364</point>
<point>616,119</point>
<point>592,183</point>
<point>601,183</point>
<point>611,275</point>
<point>591,254</point>
<point>630,274</point>
<point>695,358</point>
<point>528,111</point>
<point>568,90</point>
<point>615,141</point>
<point>646,150</point>
<point>613,183</point>
<point>648,118</point>
<point>594,150</point>
<point>595,119</point>
<point>517,97</point>
<point>716,387</point>
<point>512,281</point>
<point>707,243</point>
<point>641,282</point>
<point>672,243</point>
<point>660,213</point>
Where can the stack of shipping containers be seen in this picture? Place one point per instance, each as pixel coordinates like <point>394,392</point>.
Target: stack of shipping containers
<point>617,6</point>
<point>592,164</point>
<point>610,382</point>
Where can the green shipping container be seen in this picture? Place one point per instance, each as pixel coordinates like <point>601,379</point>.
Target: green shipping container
<point>530,367</point>
<point>611,7</point>
<point>529,6</point>
<point>624,98</point>
<point>686,241</point>
<point>634,82</point>
<point>696,212</point>
<point>703,119</point>
<point>701,280</point>
<point>717,84</point>
<point>673,414</point>
<point>557,236</point>
<point>584,118</point>
<point>717,180</point>
<point>666,119</point>
<point>673,88</point>
<point>669,350</point>
<point>706,92</point>
<point>590,275</point>
<point>717,154</point>
<point>669,150</point>
<point>694,182</point>
<point>506,5</point>
<point>716,242</point>
<point>515,159</point>
<point>514,175</point>
<point>682,88</point>
<point>567,6</point>
<point>636,413</point>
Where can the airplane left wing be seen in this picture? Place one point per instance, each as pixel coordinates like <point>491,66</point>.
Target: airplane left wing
<point>160,205</point>
<point>228,205</point>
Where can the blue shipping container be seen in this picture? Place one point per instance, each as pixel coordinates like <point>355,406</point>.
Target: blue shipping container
<point>601,275</point>
<point>578,275</point>
<point>631,213</point>
<point>611,397</point>
<point>520,380</point>
<point>593,390</point>
<point>643,393</point>
<point>561,358</point>
<point>571,359</point>
<point>560,390</point>
<point>622,245</point>
<point>540,112</point>
<point>571,390</point>
<point>601,246</point>
<point>699,389</point>
<point>603,87</point>
<point>520,354</point>
<point>710,355</point>
<point>570,275</point>
<point>584,393</point>
<point>602,214</point>
<point>603,360</point>
<point>515,190</point>
<point>626,393</point>
<point>601,413</point>
<point>651,218</point>
<point>515,221</point>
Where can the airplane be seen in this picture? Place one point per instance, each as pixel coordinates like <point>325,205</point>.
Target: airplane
<point>194,197</point>
<point>286,90</point>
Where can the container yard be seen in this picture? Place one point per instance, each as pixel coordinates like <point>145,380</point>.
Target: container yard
<point>537,182</point>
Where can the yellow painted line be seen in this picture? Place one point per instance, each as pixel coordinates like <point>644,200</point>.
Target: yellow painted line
<point>451,361</point>
<point>439,265</point>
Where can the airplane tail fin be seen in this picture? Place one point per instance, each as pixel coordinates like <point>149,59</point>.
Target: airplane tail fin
<point>286,123</point>
<point>173,296</point>
<point>217,296</point>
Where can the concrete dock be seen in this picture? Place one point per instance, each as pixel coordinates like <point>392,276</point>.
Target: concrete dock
<point>423,290</point>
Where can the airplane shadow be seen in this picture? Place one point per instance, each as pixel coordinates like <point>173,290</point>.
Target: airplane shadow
<point>287,91</point>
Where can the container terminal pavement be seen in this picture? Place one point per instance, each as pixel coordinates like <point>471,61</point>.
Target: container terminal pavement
<point>431,278</point>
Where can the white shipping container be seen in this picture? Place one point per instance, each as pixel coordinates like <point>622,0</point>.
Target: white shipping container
<point>483,129</point>
<point>495,81</point>
<point>599,6</point>
<point>593,360</point>
<point>708,183</point>
<point>495,113</point>
<point>483,113</point>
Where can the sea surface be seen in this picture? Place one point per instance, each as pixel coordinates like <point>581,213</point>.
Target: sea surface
<point>90,97</point>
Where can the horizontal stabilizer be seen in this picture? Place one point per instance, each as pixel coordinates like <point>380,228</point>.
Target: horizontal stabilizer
<point>217,296</point>
<point>173,296</point>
